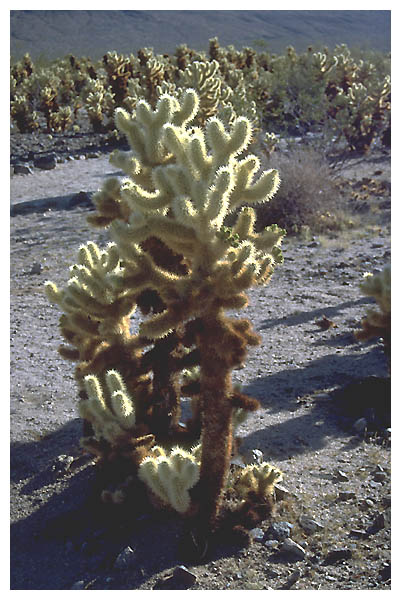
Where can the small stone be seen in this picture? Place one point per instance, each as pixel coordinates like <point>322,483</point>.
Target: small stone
<point>385,572</point>
<point>360,425</point>
<point>92,154</point>
<point>46,163</point>
<point>78,585</point>
<point>293,548</point>
<point>22,169</point>
<point>309,525</point>
<point>279,531</point>
<point>257,534</point>
<point>293,578</point>
<point>344,496</point>
<point>184,576</point>
<point>341,476</point>
<point>36,269</point>
<point>80,199</point>
<point>62,463</point>
<point>271,544</point>
<point>125,559</point>
<point>281,492</point>
<point>337,555</point>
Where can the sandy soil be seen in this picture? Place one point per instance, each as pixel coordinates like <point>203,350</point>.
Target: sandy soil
<point>63,538</point>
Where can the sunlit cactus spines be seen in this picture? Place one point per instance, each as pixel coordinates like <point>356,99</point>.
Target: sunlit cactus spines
<point>377,322</point>
<point>172,257</point>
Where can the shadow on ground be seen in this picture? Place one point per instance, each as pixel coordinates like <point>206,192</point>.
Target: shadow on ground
<point>326,416</point>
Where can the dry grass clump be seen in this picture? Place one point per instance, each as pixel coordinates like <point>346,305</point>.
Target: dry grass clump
<point>307,198</point>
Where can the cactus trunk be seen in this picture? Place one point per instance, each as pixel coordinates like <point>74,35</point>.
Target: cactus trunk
<point>216,423</point>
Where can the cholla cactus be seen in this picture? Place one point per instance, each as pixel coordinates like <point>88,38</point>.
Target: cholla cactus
<point>377,323</point>
<point>111,416</point>
<point>171,477</point>
<point>258,479</point>
<point>175,258</point>
<point>22,113</point>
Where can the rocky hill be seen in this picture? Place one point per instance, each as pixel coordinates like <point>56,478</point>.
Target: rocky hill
<point>53,33</point>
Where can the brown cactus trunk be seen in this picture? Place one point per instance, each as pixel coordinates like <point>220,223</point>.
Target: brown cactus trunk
<point>216,421</point>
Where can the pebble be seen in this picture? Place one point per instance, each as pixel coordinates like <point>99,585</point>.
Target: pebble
<point>22,169</point>
<point>184,576</point>
<point>293,578</point>
<point>271,544</point>
<point>62,463</point>
<point>279,531</point>
<point>47,162</point>
<point>125,559</point>
<point>293,548</point>
<point>36,269</point>
<point>78,585</point>
<point>309,525</point>
<point>80,199</point>
<point>336,555</point>
<point>257,534</point>
<point>360,425</point>
<point>345,495</point>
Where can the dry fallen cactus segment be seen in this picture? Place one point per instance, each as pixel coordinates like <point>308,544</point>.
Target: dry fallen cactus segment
<point>172,256</point>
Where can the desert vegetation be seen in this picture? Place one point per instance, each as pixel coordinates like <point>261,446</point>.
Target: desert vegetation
<point>196,222</point>
<point>340,95</point>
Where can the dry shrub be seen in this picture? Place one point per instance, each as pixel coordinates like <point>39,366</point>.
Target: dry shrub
<point>307,198</point>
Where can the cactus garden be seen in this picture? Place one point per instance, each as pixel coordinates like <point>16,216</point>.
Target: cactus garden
<point>201,331</point>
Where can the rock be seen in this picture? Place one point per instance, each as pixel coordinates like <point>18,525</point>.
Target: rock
<point>338,555</point>
<point>22,169</point>
<point>279,531</point>
<point>293,548</point>
<point>184,576</point>
<point>281,492</point>
<point>309,525</point>
<point>345,495</point>
<point>62,463</point>
<point>385,572</point>
<point>293,578</point>
<point>125,560</point>
<point>271,544</point>
<point>47,162</point>
<point>341,476</point>
<point>181,579</point>
<point>36,269</point>
<point>253,456</point>
<point>80,199</point>
<point>257,534</point>
<point>78,585</point>
<point>360,425</point>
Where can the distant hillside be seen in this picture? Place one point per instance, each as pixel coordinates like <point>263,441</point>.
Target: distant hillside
<point>55,33</point>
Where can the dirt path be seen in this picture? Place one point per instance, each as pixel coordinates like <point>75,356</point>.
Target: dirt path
<point>299,428</point>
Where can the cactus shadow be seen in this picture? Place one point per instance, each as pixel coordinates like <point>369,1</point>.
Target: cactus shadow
<point>300,318</point>
<point>55,203</point>
<point>34,460</point>
<point>289,391</point>
<point>63,534</point>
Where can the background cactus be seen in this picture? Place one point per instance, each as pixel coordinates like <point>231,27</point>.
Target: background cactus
<point>330,92</point>
<point>377,322</point>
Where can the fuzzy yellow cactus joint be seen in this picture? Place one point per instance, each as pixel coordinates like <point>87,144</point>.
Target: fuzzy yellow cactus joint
<point>171,477</point>
<point>377,322</point>
<point>259,479</point>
